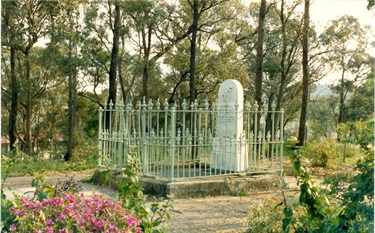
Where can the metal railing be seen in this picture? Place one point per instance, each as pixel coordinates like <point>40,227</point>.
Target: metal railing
<point>174,142</point>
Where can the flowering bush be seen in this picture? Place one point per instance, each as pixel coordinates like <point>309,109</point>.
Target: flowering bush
<point>72,213</point>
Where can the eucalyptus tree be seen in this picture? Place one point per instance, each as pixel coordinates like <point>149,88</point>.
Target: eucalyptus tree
<point>305,73</point>
<point>349,56</point>
<point>115,26</point>
<point>363,94</point>
<point>322,117</point>
<point>158,27</point>
<point>203,18</point>
<point>71,33</point>
<point>144,20</point>
<point>194,61</point>
<point>259,53</point>
<point>48,93</point>
<point>8,30</point>
<point>28,22</point>
<point>281,56</point>
<point>213,66</point>
<point>95,50</point>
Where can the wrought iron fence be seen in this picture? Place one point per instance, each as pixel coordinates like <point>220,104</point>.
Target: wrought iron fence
<point>181,141</point>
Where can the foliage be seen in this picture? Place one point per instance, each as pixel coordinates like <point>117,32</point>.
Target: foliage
<point>345,205</point>
<point>371,4</point>
<point>45,190</point>
<point>322,122</point>
<point>358,132</point>
<point>265,218</point>
<point>134,201</point>
<point>349,56</point>
<point>363,94</point>
<point>320,153</point>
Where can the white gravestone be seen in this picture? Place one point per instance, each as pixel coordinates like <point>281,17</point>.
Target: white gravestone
<point>229,147</point>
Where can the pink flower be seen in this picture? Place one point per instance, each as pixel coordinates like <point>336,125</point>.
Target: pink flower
<point>50,223</point>
<point>12,228</point>
<point>61,217</point>
<point>94,214</point>
<point>68,209</point>
<point>20,213</point>
<point>112,228</point>
<point>131,221</point>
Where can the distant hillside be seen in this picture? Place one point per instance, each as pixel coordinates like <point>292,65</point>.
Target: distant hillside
<point>321,90</point>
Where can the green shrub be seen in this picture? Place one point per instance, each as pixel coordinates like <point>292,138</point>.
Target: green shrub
<point>347,205</point>
<point>358,132</point>
<point>265,218</point>
<point>321,153</point>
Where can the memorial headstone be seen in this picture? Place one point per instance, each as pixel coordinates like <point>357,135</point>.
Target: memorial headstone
<point>229,148</point>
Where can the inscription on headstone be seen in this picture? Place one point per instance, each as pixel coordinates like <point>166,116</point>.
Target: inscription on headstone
<point>229,149</point>
<point>230,109</point>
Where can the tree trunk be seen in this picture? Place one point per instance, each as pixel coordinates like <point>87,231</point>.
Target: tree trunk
<point>114,56</point>
<point>305,77</point>
<point>14,100</point>
<point>29,146</point>
<point>8,21</point>
<point>146,61</point>
<point>71,106</point>
<point>114,61</point>
<point>342,97</point>
<point>283,72</point>
<point>120,71</point>
<point>193,50</point>
<point>259,56</point>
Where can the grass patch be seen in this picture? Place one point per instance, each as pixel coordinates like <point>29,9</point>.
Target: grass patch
<point>22,164</point>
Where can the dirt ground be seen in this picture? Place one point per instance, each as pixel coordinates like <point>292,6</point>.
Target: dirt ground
<point>208,214</point>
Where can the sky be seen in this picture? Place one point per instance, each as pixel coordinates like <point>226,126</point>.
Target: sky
<point>322,11</point>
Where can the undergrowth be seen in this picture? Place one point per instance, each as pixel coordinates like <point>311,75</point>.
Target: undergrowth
<point>344,204</point>
<point>23,164</point>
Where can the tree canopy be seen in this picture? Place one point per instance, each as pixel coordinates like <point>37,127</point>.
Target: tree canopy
<point>62,60</point>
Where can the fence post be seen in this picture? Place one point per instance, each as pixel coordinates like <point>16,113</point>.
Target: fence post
<point>282,139</point>
<point>121,135</point>
<point>255,142</point>
<point>144,142</point>
<point>100,137</point>
<point>172,140</point>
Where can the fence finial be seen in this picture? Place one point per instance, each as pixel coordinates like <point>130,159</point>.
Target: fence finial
<point>166,104</point>
<point>158,104</point>
<point>256,106</point>
<point>206,105</point>
<point>150,104</point>
<point>110,104</point>
<point>184,104</point>
<point>273,106</point>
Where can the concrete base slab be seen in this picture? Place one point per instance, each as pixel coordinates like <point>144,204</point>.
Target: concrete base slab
<point>200,187</point>
<point>216,186</point>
